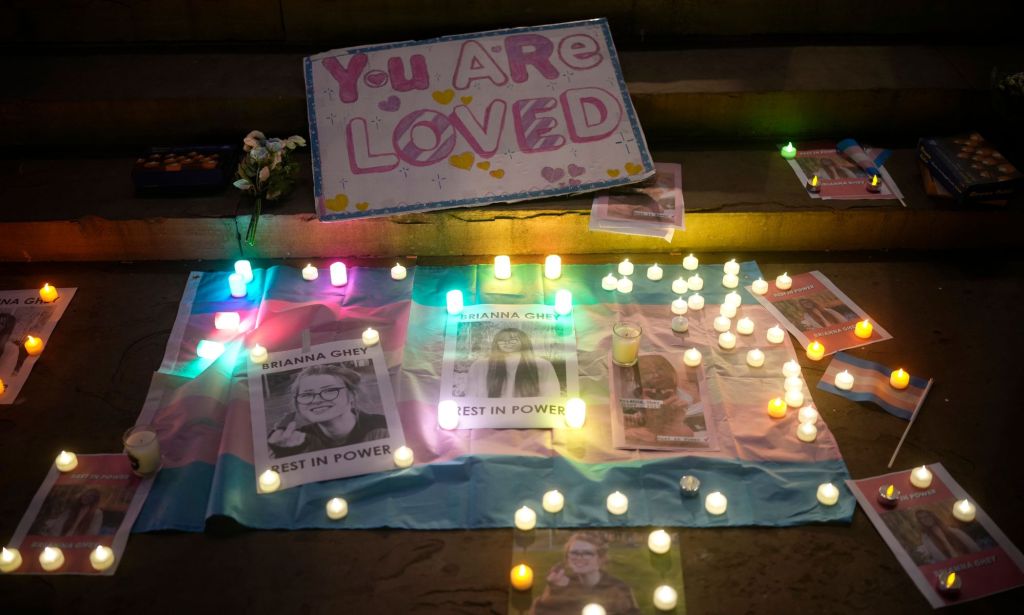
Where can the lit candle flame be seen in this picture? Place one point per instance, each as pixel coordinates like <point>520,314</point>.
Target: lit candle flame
<point>874,181</point>
<point>950,579</point>
<point>888,492</point>
<point>814,181</point>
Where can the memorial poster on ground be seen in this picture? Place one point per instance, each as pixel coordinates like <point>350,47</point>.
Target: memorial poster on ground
<point>23,313</point>
<point>651,208</point>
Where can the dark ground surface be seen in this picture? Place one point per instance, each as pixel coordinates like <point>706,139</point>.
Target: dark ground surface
<point>954,317</point>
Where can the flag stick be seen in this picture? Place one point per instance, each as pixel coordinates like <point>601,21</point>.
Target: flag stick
<point>912,419</point>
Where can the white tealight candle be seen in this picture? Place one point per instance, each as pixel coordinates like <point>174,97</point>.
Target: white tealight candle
<point>775,334</point>
<point>695,302</point>
<point>609,282</point>
<point>690,263</point>
<point>453,301</point>
<point>10,559</point>
<point>655,273</point>
<point>209,349</point>
<point>665,598</point>
<point>828,494</point>
<point>502,267</point>
<point>680,324</point>
<point>553,267</point>
<point>806,432</point>
<point>624,285</point>
<point>807,414</point>
<point>793,383</point>
<point>716,503</point>
<point>790,369</point>
<point>692,357</point>
<point>403,457</point>
<point>617,503</point>
<point>337,508</point>
<point>236,284</point>
<point>563,302</point>
<point>659,541</point>
<point>447,414</point>
<point>553,501</point>
<point>731,267</point>
<point>66,461</point>
<point>744,326</point>
<point>593,609</point>
<point>722,324</point>
<point>269,481</point>
<point>310,273</point>
<point>51,558</point>
<point>760,287</point>
<point>734,299</point>
<point>575,413</point>
<point>921,477</point>
<point>844,380</point>
<point>727,340</point>
<point>371,337</point>
<point>784,282</point>
<point>695,282</point>
<point>679,305</point>
<point>258,354</point>
<point>244,269</point>
<point>730,281</point>
<point>399,272</point>
<point>755,358</point>
<point>226,321</point>
<point>525,519</point>
<point>339,274</point>
<point>794,399</point>
<point>679,286</point>
<point>101,558</point>
<point>964,511</point>
<point>728,310</point>
<point>625,267</point>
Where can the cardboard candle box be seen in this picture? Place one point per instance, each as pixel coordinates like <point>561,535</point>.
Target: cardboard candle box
<point>968,168</point>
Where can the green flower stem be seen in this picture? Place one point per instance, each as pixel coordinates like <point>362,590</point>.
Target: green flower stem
<point>250,234</point>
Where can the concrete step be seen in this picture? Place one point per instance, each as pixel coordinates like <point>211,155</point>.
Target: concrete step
<point>59,101</point>
<point>736,200</point>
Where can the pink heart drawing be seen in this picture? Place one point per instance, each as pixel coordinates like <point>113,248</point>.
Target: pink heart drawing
<point>576,170</point>
<point>552,175</point>
<point>574,182</point>
<point>391,103</point>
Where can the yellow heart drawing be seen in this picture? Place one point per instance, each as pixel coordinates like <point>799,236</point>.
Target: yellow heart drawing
<point>613,172</point>
<point>462,161</point>
<point>466,100</point>
<point>444,97</point>
<point>362,206</point>
<point>498,173</point>
<point>483,165</point>
<point>337,203</point>
<point>633,169</point>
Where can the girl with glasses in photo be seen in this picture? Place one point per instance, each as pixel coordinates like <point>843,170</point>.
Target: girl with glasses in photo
<point>580,579</point>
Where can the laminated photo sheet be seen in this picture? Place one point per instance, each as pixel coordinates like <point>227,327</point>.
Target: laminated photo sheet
<point>840,177</point>
<point>653,207</point>
<point>23,313</point>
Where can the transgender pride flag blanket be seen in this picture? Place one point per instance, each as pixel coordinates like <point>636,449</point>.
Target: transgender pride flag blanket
<point>477,478</point>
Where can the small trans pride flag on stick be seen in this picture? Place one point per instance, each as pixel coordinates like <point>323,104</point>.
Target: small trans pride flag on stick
<point>871,383</point>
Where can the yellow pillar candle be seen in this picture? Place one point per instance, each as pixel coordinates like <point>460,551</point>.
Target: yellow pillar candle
<point>815,350</point>
<point>899,379</point>
<point>777,408</point>
<point>863,329</point>
<point>33,345</point>
<point>521,577</point>
<point>48,293</point>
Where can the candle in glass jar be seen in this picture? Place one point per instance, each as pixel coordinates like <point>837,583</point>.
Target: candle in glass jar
<point>964,511</point>
<point>807,414</point>
<point>722,324</point>
<point>863,329</point>
<point>371,337</point>
<point>625,267</point>
<point>730,281</point>
<point>690,263</point>
<point>337,508</point>
<point>617,503</point>
<point>692,357</point>
<point>47,293</point>
<point>101,558</point>
<point>655,273</point>
<point>521,577</point>
<point>226,321</point>
<point>695,302</point>
<point>659,541</point>
<point>453,300</point>
<point>258,354</point>
<point>399,272</point>
<point>448,414</point>
<point>575,413</point>
<point>525,519</point>
<point>921,477</point>
<point>553,501</point>
<point>339,274</point>
<point>609,282</point>
<point>665,598</point>
<point>777,408</point>
<point>794,398</point>
<point>815,350</point>
<point>310,273</point>
<point>760,287</point>
<point>678,305</point>
<point>745,326</point>
<point>403,457</point>
<point>563,302</point>
<point>731,267</point>
<point>502,267</point>
<point>790,369</point>
<point>52,558</point>
<point>755,358</point>
<point>10,559</point>
<point>784,282</point>
<point>727,340</point>
<point>695,282</point>
<point>269,481</point>
<point>716,503</point>
<point>828,494</point>
<point>244,269</point>
<point>236,285</point>
<point>553,267</point>
<point>806,432</point>
<point>844,380</point>
<point>899,379</point>
<point>728,310</point>
<point>625,343</point>
<point>775,334</point>
<point>33,345</point>
<point>679,286</point>
<point>66,461</point>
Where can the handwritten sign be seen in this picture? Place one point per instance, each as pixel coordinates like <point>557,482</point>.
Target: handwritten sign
<point>469,120</point>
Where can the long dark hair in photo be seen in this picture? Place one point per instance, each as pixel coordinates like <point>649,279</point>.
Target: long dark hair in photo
<point>527,383</point>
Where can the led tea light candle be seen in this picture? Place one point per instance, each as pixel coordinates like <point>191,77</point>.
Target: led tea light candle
<point>575,413</point>
<point>625,343</point>
<point>788,151</point>
<point>793,383</point>
<point>964,511</point>
<point>844,380</point>
<point>399,272</point>
<point>33,345</point>
<point>731,267</point>
<point>760,287</point>
<point>689,485</point>
<point>337,509</point>
<point>806,432</point>
<point>794,398</point>
<point>617,503</point>
<point>784,282</point>
<point>47,293</point>
<point>745,326</point>
<point>828,494</point>
<point>10,559</point>
<point>269,481</point>
<point>679,286</point>
<point>716,503</point>
<point>625,267</point>
<point>502,267</point>
<point>447,414</point>
<point>371,337</point>
<point>659,542</point>
<point>525,519</point>
<point>3,387</point>
<point>655,273</point>
<point>678,305</point>
<point>734,299</point>
<point>791,369</point>
<point>690,263</point>
<point>593,609</point>
<point>807,414</point>
<point>244,269</point>
<point>310,273</point>
<point>730,281</point>
<point>258,354</point>
<point>101,558</point>
<point>403,457</point>
<point>873,185</point>
<point>727,341</point>
<point>949,585</point>
<point>226,321</point>
<point>563,302</point>
<point>775,334</point>
<point>695,302</point>
<point>52,558</point>
<point>680,324</point>
<point>899,379</point>
<point>815,350</point>
<point>609,282</point>
<point>695,282</point>
<point>722,324</point>
<point>339,274</point>
<point>66,461</point>
<point>728,310</point>
<point>755,358</point>
<point>665,598</point>
<point>553,501</point>
<point>863,329</point>
<point>921,477</point>
<point>692,357</point>
<point>624,285</point>
<point>813,185</point>
<point>553,267</point>
<point>236,285</point>
<point>777,408</point>
<point>888,496</point>
<point>209,349</point>
<point>521,577</point>
<point>453,300</point>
